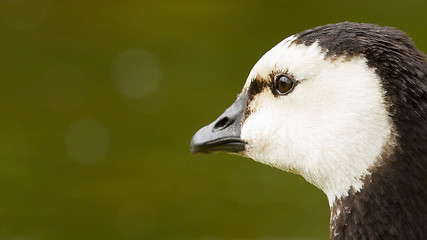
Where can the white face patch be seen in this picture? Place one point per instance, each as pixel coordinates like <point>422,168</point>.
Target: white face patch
<point>330,129</point>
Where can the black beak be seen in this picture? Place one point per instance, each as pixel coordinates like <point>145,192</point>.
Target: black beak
<point>223,134</point>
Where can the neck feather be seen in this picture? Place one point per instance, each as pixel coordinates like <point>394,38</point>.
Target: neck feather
<point>391,205</point>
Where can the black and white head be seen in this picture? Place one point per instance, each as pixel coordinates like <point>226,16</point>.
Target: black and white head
<point>345,106</point>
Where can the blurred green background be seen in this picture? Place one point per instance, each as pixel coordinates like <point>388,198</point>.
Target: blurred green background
<point>99,101</point>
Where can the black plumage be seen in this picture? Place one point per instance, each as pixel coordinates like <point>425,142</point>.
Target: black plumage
<point>393,201</point>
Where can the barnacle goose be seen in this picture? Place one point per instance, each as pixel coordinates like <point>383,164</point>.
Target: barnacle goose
<point>345,106</point>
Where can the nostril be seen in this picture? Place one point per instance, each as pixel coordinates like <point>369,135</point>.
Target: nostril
<point>221,124</point>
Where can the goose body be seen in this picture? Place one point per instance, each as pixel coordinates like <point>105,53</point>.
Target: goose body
<point>345,106</point>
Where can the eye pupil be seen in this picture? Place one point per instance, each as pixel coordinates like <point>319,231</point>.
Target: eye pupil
<point>284,84</point>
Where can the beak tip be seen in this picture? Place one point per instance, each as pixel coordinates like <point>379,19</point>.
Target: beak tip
<point>193,148</point>
<point>224,133</point>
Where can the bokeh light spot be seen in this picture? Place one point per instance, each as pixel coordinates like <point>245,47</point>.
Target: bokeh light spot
<point>87,141</point>
<point>136,73</point>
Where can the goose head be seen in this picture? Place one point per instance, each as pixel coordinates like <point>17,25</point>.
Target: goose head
<point>330,104</point>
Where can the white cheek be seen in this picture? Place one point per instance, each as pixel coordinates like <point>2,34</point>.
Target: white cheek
<point>273,136</point>
<point>331,129</point>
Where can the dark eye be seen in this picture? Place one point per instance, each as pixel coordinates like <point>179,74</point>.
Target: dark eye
<point>284,84</point>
